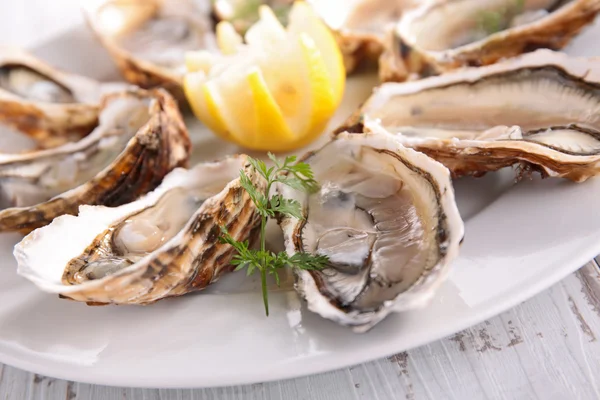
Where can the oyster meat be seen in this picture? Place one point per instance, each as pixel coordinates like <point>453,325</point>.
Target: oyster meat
<point>164,244</point>
<point>140,137</point>
<point>148,39</point>
<point>442,36</point>
<point>540,110</point>
<point>40,102</point>
<point>386,217</point>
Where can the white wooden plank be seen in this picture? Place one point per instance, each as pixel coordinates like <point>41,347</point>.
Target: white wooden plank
<point>334,385</point>
<point>84,391</point>
<point>44,388</point>
<point>376,380</point>
<point>524,353</point>
<point>14,384</point>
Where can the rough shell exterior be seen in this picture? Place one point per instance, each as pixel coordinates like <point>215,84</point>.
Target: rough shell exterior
<point>50,124</point>
<point>358,48</point>
<point>365,46</point>
<point>136,70</point>
<point>143,73</point>
<point>194,259</point>
<point>404,59</point>
<point>161,145</point>
<point>476,157</point>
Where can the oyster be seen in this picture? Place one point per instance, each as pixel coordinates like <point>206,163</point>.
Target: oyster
<point>540,110</point>
<point>480,32</point>
<point>361,25</point>
<point>49,106</point>
<point>164,244</point>
<point>148,38</point>
<point>386,218</point>
<point>139,139</point>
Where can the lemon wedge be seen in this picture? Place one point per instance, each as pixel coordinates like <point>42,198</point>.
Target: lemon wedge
<point>275,89</point>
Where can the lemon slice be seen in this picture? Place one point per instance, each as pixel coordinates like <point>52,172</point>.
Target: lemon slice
<point>276,91</point>
<point>302,18</point>
<point>271,118</point>
<point>203,104</point>
<point>228,40</point>
<point>199,61</point>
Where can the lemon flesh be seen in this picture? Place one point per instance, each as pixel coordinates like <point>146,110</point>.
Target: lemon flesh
<point>273,90</point>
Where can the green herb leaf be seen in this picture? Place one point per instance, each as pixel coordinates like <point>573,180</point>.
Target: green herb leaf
<point>276,274</point>
<point>290,207</point>
<point>260,167</point>
<point>274,159</point>
<point>492,21</point>
<point>258,198</point>
<point>308,261</point>
<point>297,175</point>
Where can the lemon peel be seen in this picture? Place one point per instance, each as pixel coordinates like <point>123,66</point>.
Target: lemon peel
<point>278,90</point>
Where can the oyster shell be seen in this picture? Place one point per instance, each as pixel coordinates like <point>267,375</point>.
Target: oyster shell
<point>164,244</point>
<point>480,32</point>
<point>139,139</point>
<point>148,38</point>
<point>386,218</point>
<point>360,25</point>
<point>540,110</point>
<point>49,106</point>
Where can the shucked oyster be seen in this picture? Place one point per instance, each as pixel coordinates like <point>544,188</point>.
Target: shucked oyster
<point>164,244</point>
<point>50,106</point>
<point>139,139</point>
<point>386,218</point>
<point>540,110</point>
<point>446,35</point>
<point>148,38</point>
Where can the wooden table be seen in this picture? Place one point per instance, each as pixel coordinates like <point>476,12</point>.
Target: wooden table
<point>546,348</point>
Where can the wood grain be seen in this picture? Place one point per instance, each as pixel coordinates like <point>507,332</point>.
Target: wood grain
<point>546,348</point>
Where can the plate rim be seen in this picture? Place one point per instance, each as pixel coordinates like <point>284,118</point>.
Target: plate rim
<point>482,313</point>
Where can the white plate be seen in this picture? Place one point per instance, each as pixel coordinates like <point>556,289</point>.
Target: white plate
<point>520,239</point>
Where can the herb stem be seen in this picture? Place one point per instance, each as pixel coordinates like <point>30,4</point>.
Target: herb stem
<point>263,279</point>
<point>263,269</point>
<point>297,176</point>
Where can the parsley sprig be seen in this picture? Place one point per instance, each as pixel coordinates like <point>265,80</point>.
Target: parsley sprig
<point>297,175</point>
<point>492,21</point>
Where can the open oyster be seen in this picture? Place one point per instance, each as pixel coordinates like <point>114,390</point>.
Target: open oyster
<point>148,38</point>
<point>446,35</point>
<point>361,25</point>
<point>139,139</point>
<point>164,244</point>
<point>49,106</point>
<point>540,110</point>
<point>386,218</point>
